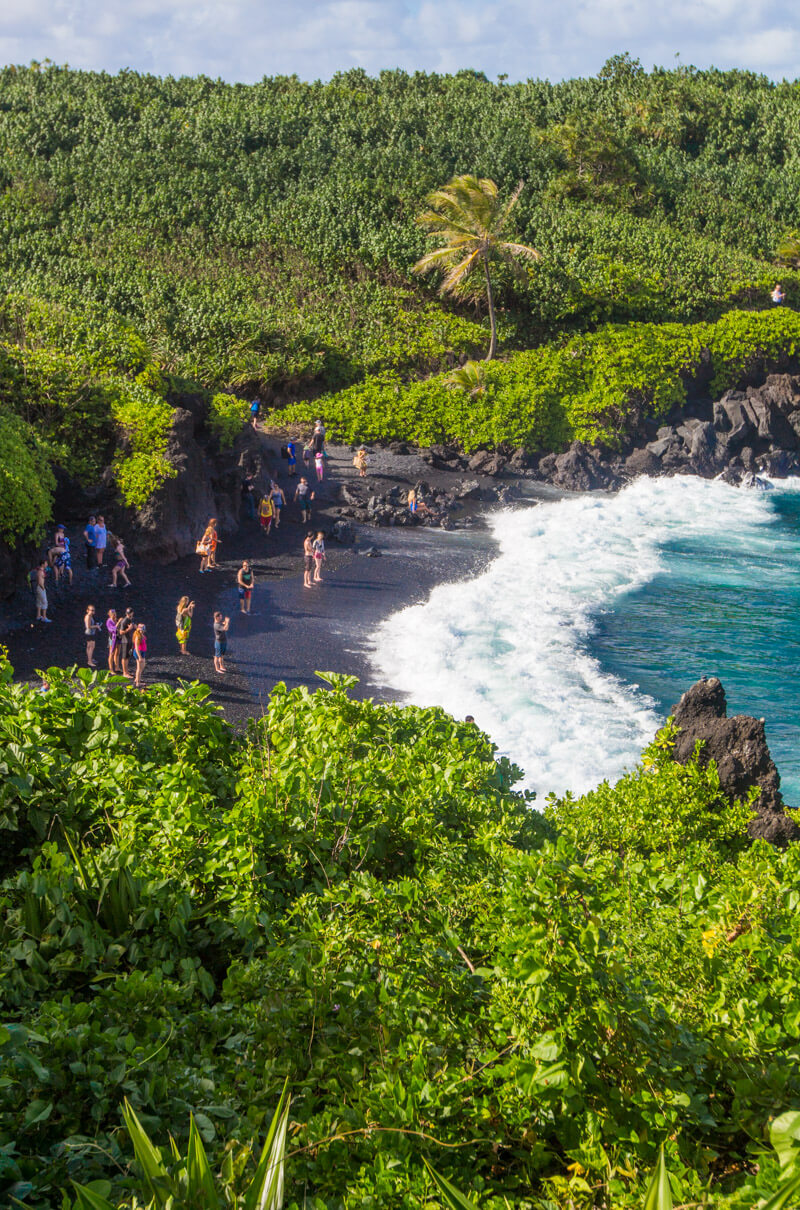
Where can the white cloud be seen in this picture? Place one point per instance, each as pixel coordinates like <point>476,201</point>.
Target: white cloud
<point>246,39</point>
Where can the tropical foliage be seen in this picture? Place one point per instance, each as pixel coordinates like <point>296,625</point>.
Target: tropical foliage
<point>188,236</point>
<point>352,897</point>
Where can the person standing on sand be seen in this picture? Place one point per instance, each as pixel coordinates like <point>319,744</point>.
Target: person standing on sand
<point>100,540</point>
<point>125,627</point>
<point>183,622</point>
<point>40,592</point>
<point>111,627</point>
<point>319,463</point>
<point>245,581</point>
<point>319,556</point>
<point>255,408</point>
<point>308,559</point>
<point>303,496</point>
<point>220,641</point>
<point>291,458</point>
<point>90,629</point>
<point>360,461</point>
<point>278,501</point>
<point>207,546</point>
<point>308,454</point>
<point>140,653</point>
<point>91,553</point>
<point>266,513</point>
<point>60,556</point>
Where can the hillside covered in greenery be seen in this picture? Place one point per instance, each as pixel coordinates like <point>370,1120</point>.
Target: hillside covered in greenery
<point>353,898</point>
<point>160,236</point>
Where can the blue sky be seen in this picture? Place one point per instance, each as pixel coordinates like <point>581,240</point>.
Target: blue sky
<point>247,39</point>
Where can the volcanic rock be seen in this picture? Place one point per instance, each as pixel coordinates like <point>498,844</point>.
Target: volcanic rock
<point>739,747</point>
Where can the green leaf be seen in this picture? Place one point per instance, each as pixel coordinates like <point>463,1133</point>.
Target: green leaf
<point>149,1158</point>
<point>198,1174</point>
<point>266,1188</point>
<point>452,1197</point>
<point>38,1111</point>
<point>88,1199</point>
<point>787,1197</point>
<point>659,1194</point>
<point>784,1134</point>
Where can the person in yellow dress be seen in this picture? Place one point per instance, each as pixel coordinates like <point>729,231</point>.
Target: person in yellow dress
<point>360,461</point>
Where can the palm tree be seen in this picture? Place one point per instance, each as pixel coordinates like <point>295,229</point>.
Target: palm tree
<point>469,217</point>
<point>470,378</point>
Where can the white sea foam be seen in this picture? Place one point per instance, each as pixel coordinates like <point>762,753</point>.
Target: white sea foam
<point>510,647</point>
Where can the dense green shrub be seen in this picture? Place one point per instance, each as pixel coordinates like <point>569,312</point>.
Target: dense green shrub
<point>226,415</point>
<point>26,481</point>
<point>352,896</point>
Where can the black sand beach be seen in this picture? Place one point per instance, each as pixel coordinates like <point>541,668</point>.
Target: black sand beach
<point>292,631</point>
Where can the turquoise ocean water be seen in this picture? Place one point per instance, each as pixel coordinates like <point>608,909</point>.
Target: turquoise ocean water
<point>599,611</point>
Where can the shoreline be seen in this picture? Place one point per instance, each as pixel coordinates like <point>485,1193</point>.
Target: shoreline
<point>291,631</point>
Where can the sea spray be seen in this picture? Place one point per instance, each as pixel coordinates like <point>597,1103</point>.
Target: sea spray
<point>524,647</point>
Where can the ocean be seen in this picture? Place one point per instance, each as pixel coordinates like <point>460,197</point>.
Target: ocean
<point>599,611</point>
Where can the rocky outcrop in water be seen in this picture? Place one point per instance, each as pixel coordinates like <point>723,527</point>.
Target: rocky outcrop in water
<point>739,747</point>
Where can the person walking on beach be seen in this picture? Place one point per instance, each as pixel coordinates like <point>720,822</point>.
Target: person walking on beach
<point>40,592</point>
<point>308,559</point>
<point>308,454</point>
<point>266,513</point>
<point>319,464</point>
<point>360,461</point>
<point>183,622</point>
<point>319,556</point>
<point>291,458</point>
<point>245,579</point>
<point>255,408</point>
<point>278,501</point>
<point>221,625</point>
<point>100,540</point>
<point>90,629</point>
<point>139,653</point>
<point>88,535</point>
<point>125,627</point>
<point>303,496</point>
<point>121,565</point>
<point>111,627</point>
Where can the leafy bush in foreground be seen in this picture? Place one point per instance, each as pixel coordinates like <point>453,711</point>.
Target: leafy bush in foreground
<point>352,897</point>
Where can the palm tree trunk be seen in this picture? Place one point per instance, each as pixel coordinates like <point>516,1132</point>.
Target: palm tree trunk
<point>492,320</point>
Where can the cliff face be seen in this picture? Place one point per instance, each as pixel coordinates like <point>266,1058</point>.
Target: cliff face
<point>739,747</point>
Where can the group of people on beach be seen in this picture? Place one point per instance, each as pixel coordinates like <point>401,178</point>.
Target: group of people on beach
<point>127,637</point>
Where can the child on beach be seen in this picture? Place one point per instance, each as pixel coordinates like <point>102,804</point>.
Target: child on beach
<point>360,461</point>
<point>319,556</point>
<point>266,513</point>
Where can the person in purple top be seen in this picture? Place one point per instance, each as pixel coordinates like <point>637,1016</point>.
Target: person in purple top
<point>111,627</point>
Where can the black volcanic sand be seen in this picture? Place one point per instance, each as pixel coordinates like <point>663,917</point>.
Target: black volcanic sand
<point>292,631</point>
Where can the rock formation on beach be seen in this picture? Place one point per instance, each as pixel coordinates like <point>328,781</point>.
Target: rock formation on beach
<point>739,747</point>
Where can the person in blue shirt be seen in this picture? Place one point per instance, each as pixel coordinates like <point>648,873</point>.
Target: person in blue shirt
<point>291,458</point>
<point>91,553</point>
<point>255,408</point>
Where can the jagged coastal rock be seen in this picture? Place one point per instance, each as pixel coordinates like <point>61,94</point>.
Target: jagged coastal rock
<point>739,747</point>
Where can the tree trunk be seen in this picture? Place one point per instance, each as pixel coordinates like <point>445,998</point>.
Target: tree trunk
<point>492,320</point>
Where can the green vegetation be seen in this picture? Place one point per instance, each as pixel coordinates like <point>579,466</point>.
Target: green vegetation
<point>594,388</point>
<point>352,898</point>
<point>229,239</point>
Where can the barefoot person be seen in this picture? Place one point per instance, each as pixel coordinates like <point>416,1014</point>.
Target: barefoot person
<point>111,627</point>
<point>278,501</point>
<point>40,592</point>
<point>183,622</point>
<point>207,546</point>
<point>88,537</point>
<point>90,629</point>
<point>266,513</point>
<point>121,566</point>
<point>303,496</point>
<point>360,461</point>
<point>221,625</point>
<point>319,463</point>
<point>319,556</point>
<point>60,556</point>
<point>125,627</point>
<point>140,653</point>
<point>308,559</point>
<point>100,540</point>
<point>244,580</point>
